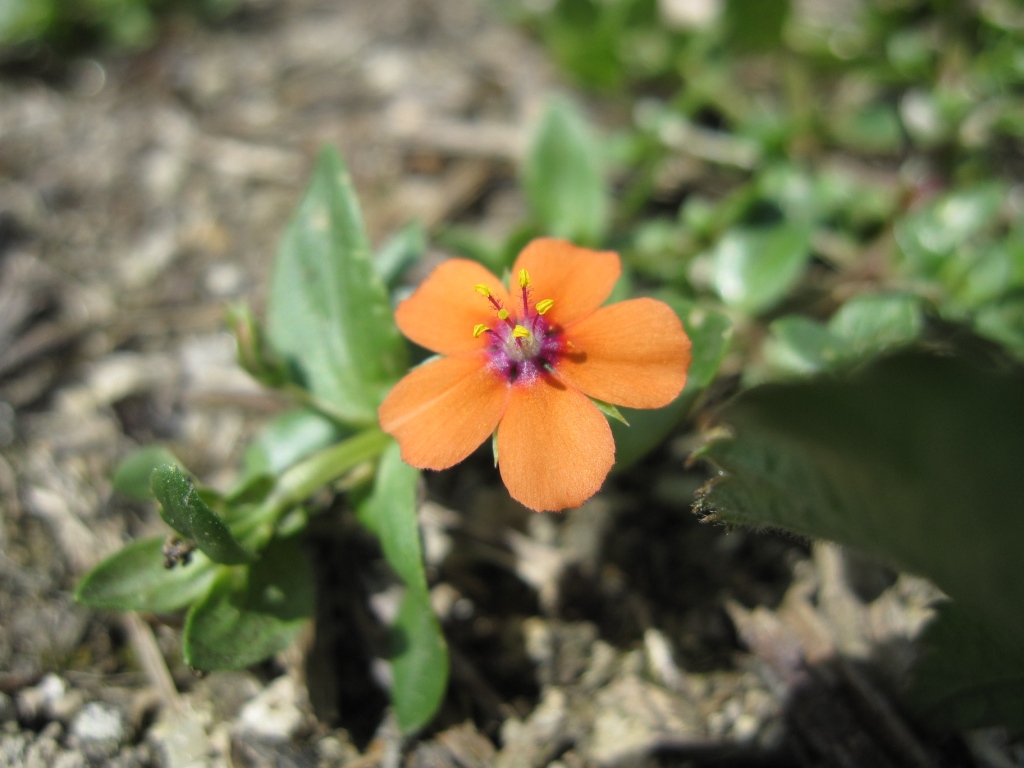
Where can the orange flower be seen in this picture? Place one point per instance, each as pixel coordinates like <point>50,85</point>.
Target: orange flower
<point>528,366</point>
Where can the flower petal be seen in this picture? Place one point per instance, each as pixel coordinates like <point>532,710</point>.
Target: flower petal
<point>577,279</point>
<point>554,447</point>
<point>441,313</point>
<point>441,411</point>
<point>634,353</point>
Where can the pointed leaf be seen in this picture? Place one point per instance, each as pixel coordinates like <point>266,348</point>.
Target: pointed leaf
<point>251,612</point>
<point>135,579</point>
<point>328,312</point>
<point>915,459</point>
<point>183,510</point>
<point>420,661</point>
<point>609,410</point>
<point>562,177</point>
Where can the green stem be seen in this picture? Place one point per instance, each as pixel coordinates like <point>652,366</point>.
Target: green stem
<point>324,467</point>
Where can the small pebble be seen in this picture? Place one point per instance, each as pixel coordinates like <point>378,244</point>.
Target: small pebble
<point>275,713</point>
<point>100,724</point>
<point>50,699</point>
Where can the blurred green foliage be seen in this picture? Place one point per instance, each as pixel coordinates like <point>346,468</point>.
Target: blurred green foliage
<point>67,25</point>
<point>782,159</point>
<point>832,183</point>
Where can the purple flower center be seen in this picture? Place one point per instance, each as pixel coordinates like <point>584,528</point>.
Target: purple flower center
<point>522,358</point>
<point>520,348</point>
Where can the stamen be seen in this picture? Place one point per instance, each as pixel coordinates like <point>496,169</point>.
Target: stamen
<point>479,329</point>
<point>544,305</point>
<point>503,314</point>
<point>483,290</point>
<point>524,278</point>
<point>520,333</point>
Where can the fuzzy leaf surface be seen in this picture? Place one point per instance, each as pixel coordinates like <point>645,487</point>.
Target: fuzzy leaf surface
<point>251,612</point>
<point>329,314</point>
<point>183,510</point>
<point>420,656</point>
<point>914,458</point>
<point>135,579</point>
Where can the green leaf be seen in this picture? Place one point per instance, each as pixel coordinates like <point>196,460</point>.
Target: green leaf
<point>1003,321</point>
<point>871,127</point>
<point>23,20</point>
<point>286,440</point>
<point>390,512</point>
<point>609,410</point>
<point>251,612</point>
<point>754,268</point>
<point>251,489</point>
<point>420,660</point>
<point>999,269</point>
<point>659,251</point>
<point>562,177</point>
<point>403,249</point>
<point>968,676</point>
<point>870,323</point>
<point>754,26</point>
<point>709,332</point>
<point>326,466</point>
<point>183,510</point>
<point>135,579</point>
<point>132,475</point>
<point>866,325</point>
<point>800,346</point>
<point>794,190</point>
<point>255,355</point>
<point>930,235</point>
<point>329,314</point>
<point>914,459</point>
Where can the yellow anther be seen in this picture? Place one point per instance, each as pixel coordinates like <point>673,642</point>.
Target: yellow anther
<point>519,332</point>
<point>483,290</point>
<point>503,314</point>
<point>479,329</point>
<point>544,305</point>
<point>524,278</point>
